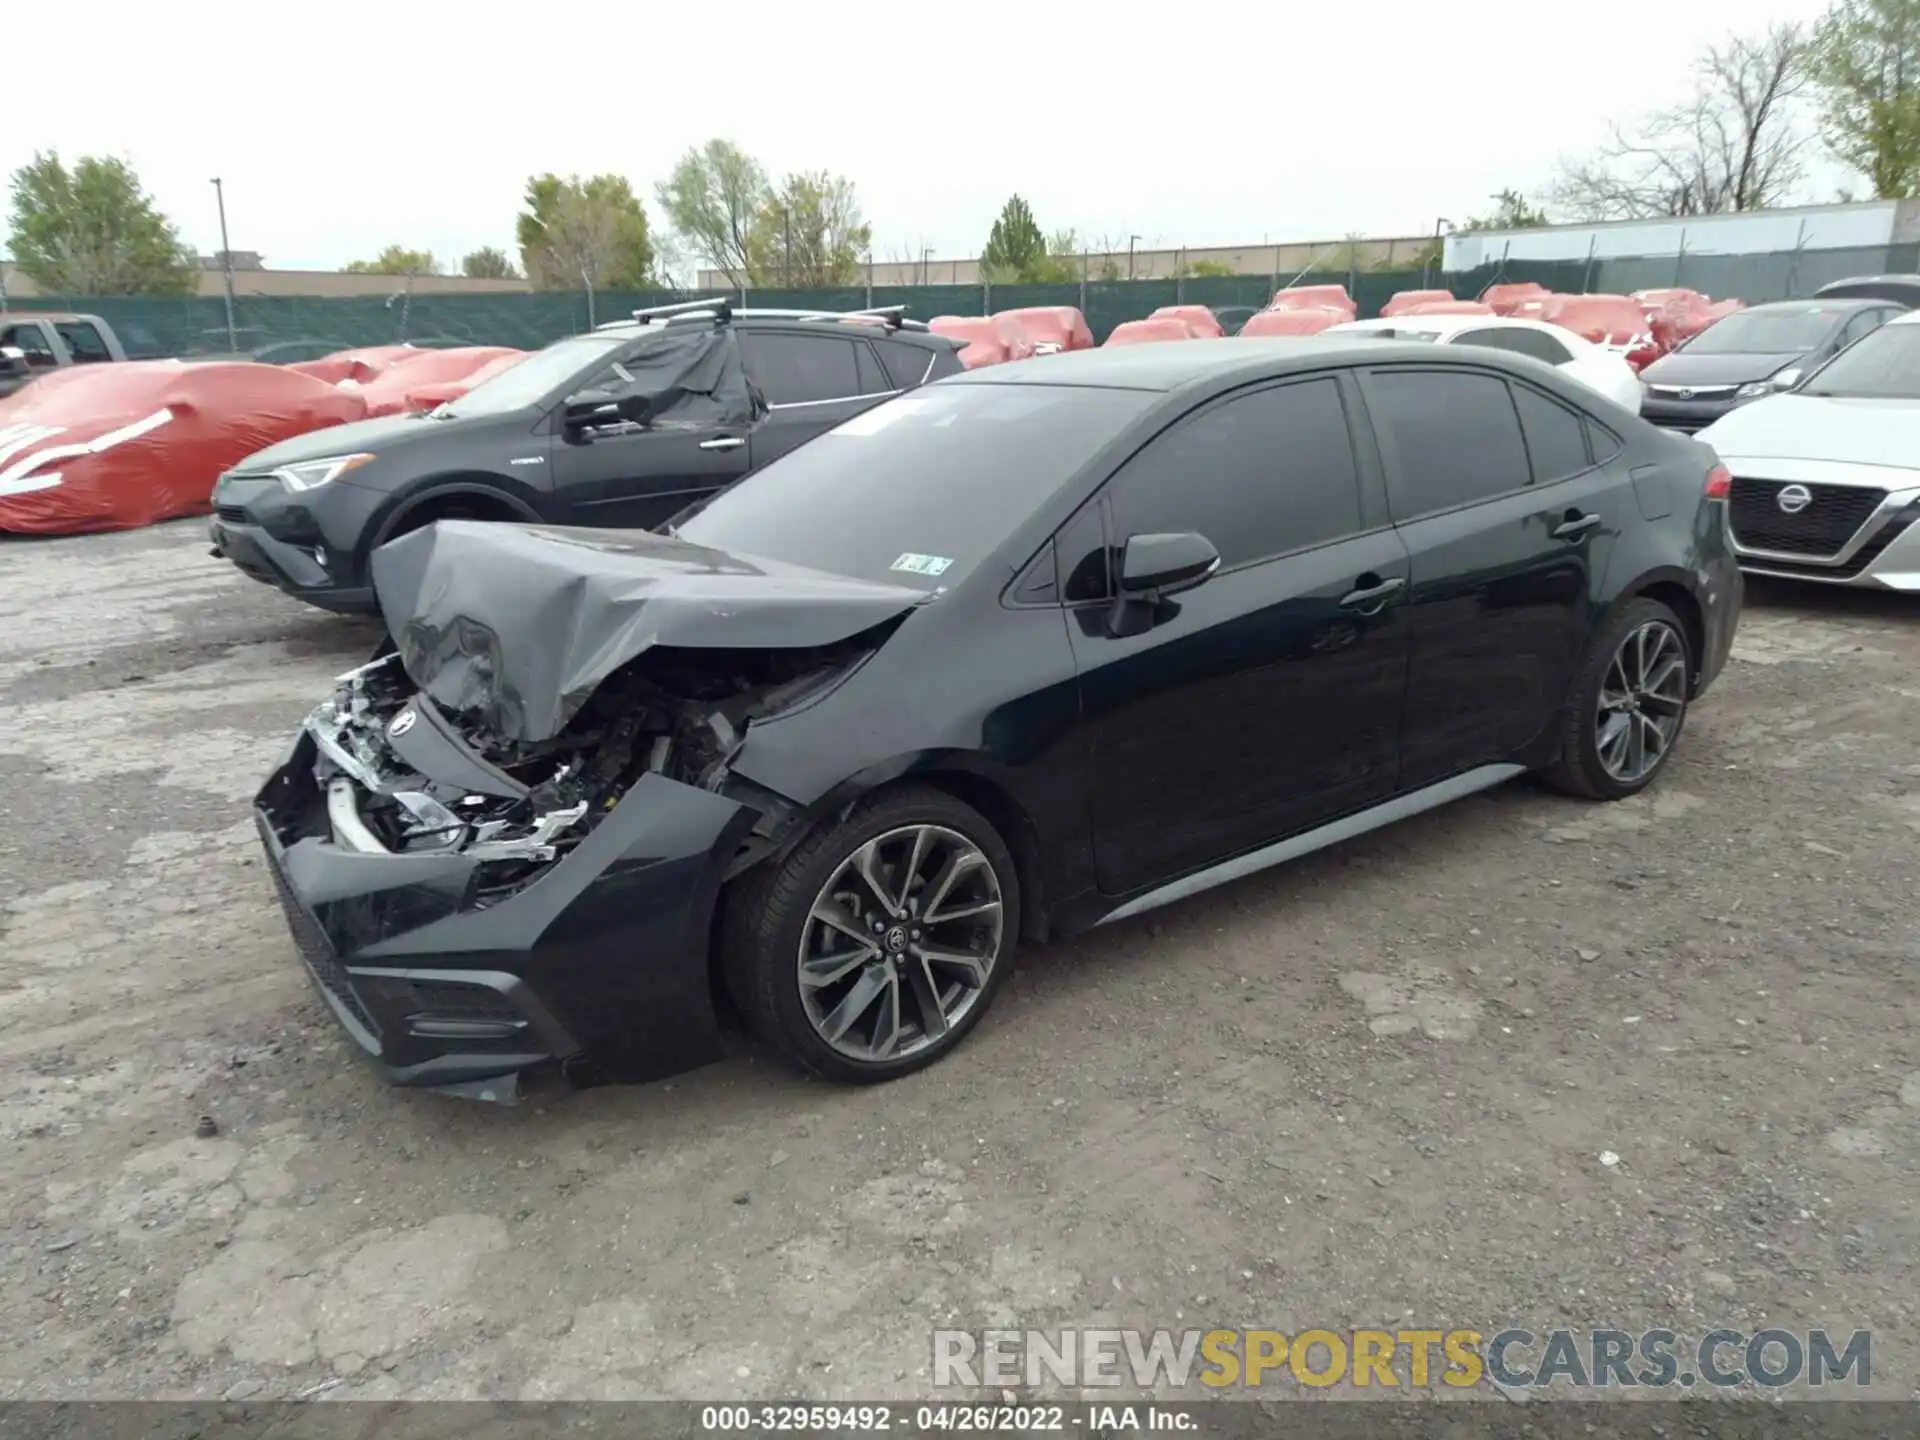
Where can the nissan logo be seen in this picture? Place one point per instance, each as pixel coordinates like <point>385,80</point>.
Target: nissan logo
<point>1794,498</point>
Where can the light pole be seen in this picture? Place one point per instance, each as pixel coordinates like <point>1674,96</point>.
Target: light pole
<point>1131,239</point>
<point>1426,271</point>
<point>226,261</point>
<point>926,260</point>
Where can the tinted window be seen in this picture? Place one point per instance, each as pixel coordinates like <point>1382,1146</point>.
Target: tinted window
<point>794,369</point>
<point>84,342</point>
<point>1535,343</point>
<point>31,341</point>
<point>1556,436</point>
<point>872,382</point>
<point>917,490</point>
<point>1454,435</point>
<point>906,364</point>
<point>1257,475</point>
<point>1081,550</point>
<point>1602,443</point>
<point>1861,324</point>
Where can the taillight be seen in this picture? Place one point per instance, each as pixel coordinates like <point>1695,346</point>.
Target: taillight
<point>1719,483</point>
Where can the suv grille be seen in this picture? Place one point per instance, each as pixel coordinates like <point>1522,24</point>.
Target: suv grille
<point>236,514</point>
<point>1823,528</point>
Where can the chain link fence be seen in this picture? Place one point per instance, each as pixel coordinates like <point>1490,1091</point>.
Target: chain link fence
<point>301,327</point>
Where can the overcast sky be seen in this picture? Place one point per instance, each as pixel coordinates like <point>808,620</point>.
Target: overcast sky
<point>341,129</point>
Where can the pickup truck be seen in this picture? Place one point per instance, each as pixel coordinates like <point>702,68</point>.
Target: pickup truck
<point>33,343</point>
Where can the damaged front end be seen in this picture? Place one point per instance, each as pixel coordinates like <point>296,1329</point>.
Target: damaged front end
<point>473,905</point>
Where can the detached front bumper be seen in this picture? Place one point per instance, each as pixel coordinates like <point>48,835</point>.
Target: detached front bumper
<point>599,965</point>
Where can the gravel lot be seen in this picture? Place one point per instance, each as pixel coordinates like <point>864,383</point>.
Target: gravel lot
<point>1371,1088</point>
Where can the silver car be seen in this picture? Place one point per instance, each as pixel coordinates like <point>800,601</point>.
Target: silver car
<point>1826,477</point>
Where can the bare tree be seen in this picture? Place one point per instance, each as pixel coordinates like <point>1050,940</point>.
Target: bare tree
<point>1737,144</point>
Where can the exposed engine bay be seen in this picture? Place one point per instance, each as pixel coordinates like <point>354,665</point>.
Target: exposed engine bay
<point>400,777</point>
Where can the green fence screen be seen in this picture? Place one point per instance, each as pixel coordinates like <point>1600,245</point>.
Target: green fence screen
<point>196,325</point>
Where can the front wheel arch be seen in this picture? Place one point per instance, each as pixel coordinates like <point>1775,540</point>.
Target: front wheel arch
<point>419,509</point>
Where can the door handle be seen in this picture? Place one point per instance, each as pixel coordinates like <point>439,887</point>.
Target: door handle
<point>726,442</point>
<point>1369,600</point>
<point>1574,526</point>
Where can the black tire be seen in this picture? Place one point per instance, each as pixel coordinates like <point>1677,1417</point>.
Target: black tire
<point>1580,770</point>
<point>765,920</point>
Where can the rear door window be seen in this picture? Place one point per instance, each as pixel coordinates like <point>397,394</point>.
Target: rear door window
<point>906,364</point>
<point>1259,474</point>
<point>872,380</point>
<point>800,369</point>
<point>1453,435</point>
<point>1556,436</point>
<point>84,342</point>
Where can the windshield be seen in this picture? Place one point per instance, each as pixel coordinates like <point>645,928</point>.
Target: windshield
<point>1882,366</point>
<point>533,378</point>
<point>1768,332</point>
<point>917,491</point>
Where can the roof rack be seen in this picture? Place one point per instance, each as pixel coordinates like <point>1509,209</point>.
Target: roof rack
<point>722,310</point>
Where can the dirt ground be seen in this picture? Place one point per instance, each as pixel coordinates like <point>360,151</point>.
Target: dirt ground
<point>1371,1088</point>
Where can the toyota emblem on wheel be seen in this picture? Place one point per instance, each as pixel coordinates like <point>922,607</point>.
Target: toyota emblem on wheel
<point>402,723</point>
<point>1794,498</point>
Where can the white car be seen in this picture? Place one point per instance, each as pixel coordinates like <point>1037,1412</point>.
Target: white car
<point>1826,477</point>
<point>1581,360</point>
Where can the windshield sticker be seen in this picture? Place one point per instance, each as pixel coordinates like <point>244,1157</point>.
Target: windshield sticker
<point>871,422</point>
<point>922,564</point>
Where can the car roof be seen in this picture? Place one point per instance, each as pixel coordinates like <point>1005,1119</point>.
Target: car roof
<point>782,319</point>
<point>1177,364</point>
<point>7,317</point>
<point>1441,325</point>
<point>1831,304</point>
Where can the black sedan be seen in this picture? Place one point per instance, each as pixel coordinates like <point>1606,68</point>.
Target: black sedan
<point>1032,649</point>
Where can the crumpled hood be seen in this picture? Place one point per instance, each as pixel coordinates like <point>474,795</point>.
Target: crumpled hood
<point>522,623</point>
<point>1813,427</point>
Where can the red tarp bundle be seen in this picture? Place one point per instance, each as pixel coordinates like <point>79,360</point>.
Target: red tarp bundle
<point>1603,319</point>
<point>1305,320</point>
<point>1061,326</point>
<point>1148,332</point>
<point>1503,298</point>
<point>1407,300</point>
<point>443,392</point>
<point>112,447</point>
<point>1307,297</point>
<point>359,366</point>
<point>985,339</point>
<point>387,393</point>
<point>1202,321</point>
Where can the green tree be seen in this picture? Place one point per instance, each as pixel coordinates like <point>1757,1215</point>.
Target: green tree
<point>1511,211</point>
<point>1201,269</point>
<point>808,234</point>
<point>589,232</point>
<point>1016,246</point>
<point>1865,64</point>
<point>397,260</point>
<point>712,200</point>
<point>488,263</point>
<point>93,230</point>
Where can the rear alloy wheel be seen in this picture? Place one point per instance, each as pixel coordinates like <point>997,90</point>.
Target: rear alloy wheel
<point>880,941</point>
<point>1628,705</point>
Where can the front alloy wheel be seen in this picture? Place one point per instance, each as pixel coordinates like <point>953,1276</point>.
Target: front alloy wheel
<point>879,941</point>
<point>900,942</point>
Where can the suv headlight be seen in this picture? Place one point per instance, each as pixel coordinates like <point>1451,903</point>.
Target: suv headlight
<point>1754,390</point>
<point>310,473</point>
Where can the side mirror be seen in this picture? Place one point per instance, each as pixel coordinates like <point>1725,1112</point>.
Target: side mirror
<point>1787,379</point>
<point>13,361</point>
<point>1154,566</point>
<point>600,407</point>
